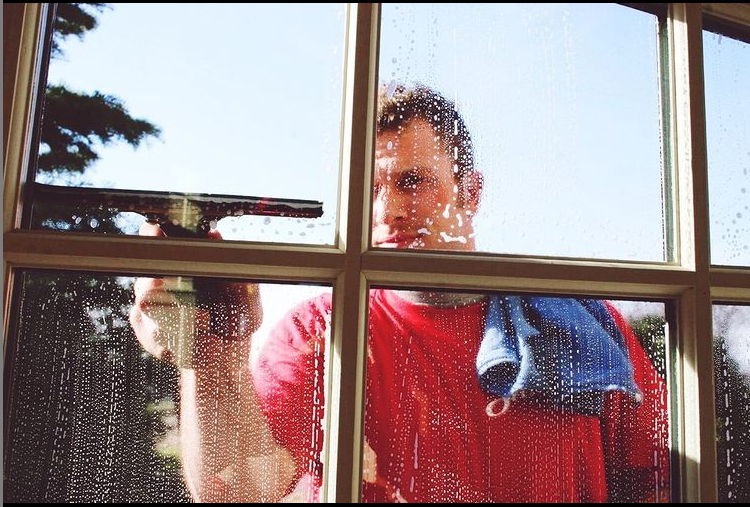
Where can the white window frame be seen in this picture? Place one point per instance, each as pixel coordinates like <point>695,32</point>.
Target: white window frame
<point>351,266</point>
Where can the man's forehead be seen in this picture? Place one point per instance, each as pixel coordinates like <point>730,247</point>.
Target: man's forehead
<point>405,159</point>
<point>416,129</point>
<point>414,145</point>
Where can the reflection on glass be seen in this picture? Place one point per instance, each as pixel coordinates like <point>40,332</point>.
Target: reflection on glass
<point>502,398</point>
<point>562,104</point>
<point>215,116</point>
<point>727,79</point>
<point>94,417</point>
<point>732,380</point>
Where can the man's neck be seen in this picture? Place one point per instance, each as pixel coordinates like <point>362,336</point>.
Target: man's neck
<point>440,299</point>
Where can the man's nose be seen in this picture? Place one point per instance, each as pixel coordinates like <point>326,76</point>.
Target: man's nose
<point>388,206</point>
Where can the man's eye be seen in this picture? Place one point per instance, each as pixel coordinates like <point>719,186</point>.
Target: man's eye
<point>410,182</point>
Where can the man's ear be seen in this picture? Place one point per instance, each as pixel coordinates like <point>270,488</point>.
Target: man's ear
<point>470,190</point>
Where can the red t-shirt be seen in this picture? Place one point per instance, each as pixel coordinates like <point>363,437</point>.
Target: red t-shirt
<point>426,422</point>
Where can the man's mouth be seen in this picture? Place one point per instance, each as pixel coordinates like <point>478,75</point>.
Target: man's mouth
<point>398,240</point>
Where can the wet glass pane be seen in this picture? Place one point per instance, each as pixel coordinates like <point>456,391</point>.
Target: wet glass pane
<point>732,379</point>
<point>514,398</point>
<point>92,416</point>
<point>240,100</point>
<point>727,79</point>
<point>558,114</point>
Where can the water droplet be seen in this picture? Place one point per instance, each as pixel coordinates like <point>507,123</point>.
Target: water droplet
<point>446,211</point>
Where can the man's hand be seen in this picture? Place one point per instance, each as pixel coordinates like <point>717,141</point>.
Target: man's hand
<point>195,323</point>
<point>204,326</point>
<point>372,479</point>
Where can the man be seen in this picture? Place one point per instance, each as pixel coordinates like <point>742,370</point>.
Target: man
<point>468,398</point>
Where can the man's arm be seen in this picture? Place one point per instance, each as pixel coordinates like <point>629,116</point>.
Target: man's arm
<point>228,451</point>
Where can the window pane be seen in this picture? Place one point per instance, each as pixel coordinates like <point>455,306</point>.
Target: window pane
<point>506,398</point>
<point>562,106</point>
<point>205,98</point>
<point>727,77</point>
<point>732,379</point>
<point>93,417</point>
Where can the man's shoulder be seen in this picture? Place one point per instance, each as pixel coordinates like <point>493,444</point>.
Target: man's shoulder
<point>317,305</point>
<point>312,317</point>
<point>323,303</point>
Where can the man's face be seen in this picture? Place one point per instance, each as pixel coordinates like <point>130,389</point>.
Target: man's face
<point>416,200</point>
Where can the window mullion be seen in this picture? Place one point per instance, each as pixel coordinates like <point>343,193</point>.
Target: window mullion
<point>738,13</point>
<point>478,272</point>
<point>729,284</point>
<point>21,112</point>
<point>345,406</point>
<point>18,112</point>
<point>190,257</point>
<point>698,451</point>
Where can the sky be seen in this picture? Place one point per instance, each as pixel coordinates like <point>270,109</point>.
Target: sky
<point>562,100</point>
<point>727,78</point>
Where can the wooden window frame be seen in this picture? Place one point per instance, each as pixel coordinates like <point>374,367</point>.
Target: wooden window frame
<point>352,266</point>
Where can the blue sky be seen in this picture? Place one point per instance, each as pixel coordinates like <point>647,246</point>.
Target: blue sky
<point>727,78</point>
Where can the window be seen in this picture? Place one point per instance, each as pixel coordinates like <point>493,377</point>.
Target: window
<point>174,132</point>
<point>728,161</point>
<point>351,267</point>
<point>572,125</point>
<point>732,366</point>
<point>95,417</point>
<point>439,440</point>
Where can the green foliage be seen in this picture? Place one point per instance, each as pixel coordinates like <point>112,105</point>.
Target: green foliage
<point>732,407</point>
<point>732,426</point>
<point>81,429</point>
<point>75,124</point>
<point>74,19</point>
<point>79,387</point>
<point>650,332</point>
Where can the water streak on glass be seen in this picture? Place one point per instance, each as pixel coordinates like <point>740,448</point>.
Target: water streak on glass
<point>514,398</point>
<point>93,417</point>
<point>732,380</point>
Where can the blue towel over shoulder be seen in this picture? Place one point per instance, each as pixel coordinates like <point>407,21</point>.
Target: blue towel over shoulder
<point>567,350</point>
